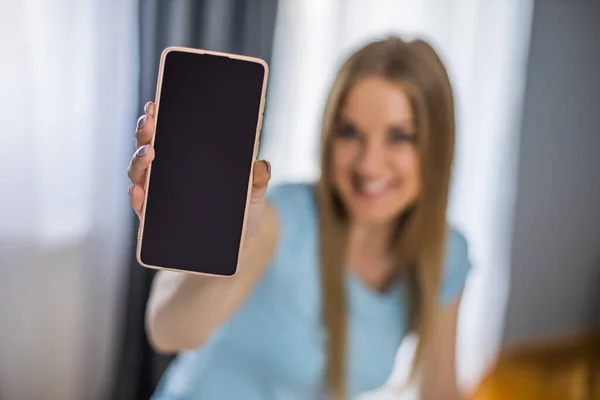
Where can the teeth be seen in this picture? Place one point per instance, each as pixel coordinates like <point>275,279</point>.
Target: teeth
<point>373,187</point>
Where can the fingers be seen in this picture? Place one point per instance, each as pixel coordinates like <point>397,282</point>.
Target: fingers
<point>144,153</point>
<point>142,157</point>
<point>145,126</point>
<point>136,198</point>
<point>260,178</point>
<point>139,164</point>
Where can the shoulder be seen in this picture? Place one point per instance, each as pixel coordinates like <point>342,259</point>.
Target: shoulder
<point>281,193</point>
<point>292,202</point>
<point>295,209</point>
<point>457,245</point>
<point>457,265</point>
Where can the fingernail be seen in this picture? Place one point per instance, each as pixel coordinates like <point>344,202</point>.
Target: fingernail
<point>268,165</point>
<point>146,107</point>
<point>141,152</point>
<point>141,121</point>
<point>129,190</point>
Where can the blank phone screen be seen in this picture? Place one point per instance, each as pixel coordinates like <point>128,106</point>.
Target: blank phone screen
<point>208,114</point>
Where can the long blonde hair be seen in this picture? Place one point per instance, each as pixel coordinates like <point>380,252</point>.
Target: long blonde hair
<point>419,239</point>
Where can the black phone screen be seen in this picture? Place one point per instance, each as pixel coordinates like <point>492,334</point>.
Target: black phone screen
<point>207,117</point>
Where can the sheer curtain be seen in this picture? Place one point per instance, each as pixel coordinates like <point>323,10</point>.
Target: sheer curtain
<point>67,98</point>
<point>484,45</point>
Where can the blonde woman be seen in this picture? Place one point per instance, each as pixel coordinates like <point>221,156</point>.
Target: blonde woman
<point>336,273</point>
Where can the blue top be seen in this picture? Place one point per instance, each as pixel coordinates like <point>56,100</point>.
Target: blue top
<point>272,348</point>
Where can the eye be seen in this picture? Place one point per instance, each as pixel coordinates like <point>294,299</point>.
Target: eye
<point>348,131</point>
<point>401,136</point>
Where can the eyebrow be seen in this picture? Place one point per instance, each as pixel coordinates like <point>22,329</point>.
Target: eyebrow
<point>405,125</point>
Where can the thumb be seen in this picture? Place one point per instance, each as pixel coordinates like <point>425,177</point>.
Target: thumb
<point>260,179</point>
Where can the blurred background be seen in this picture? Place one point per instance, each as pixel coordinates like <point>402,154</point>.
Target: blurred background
<point>75,74</point>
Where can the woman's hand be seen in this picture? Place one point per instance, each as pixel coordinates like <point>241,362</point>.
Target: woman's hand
<point>144,155</point>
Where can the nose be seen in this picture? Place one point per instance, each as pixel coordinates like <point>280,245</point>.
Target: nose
<point>371,159</point>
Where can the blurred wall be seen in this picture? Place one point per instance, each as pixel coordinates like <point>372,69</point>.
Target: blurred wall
<point>555,282</point>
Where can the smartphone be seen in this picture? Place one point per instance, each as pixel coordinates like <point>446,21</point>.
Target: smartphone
<point>208,114</point>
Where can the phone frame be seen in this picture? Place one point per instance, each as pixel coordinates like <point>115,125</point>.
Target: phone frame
<point>261,110</point>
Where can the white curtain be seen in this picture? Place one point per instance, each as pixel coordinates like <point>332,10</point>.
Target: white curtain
<point>67,106</point>
<point>484,45</point>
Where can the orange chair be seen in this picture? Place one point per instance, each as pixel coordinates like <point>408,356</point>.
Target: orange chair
<point>567,369</point>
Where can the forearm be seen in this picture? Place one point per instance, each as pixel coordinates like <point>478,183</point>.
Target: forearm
<point>184,309</point>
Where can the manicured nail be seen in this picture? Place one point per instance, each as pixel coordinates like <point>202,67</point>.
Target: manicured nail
<point>268,165</point>
<point>141,121</point>
<point>146,107</point>
<point>141,152</point>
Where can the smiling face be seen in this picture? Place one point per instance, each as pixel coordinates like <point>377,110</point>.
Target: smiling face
<point>374,159</point>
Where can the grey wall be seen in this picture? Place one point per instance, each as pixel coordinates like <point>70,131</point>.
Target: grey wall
<point>555,282</point>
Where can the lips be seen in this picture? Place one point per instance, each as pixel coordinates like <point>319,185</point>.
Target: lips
<point>372,187</point>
